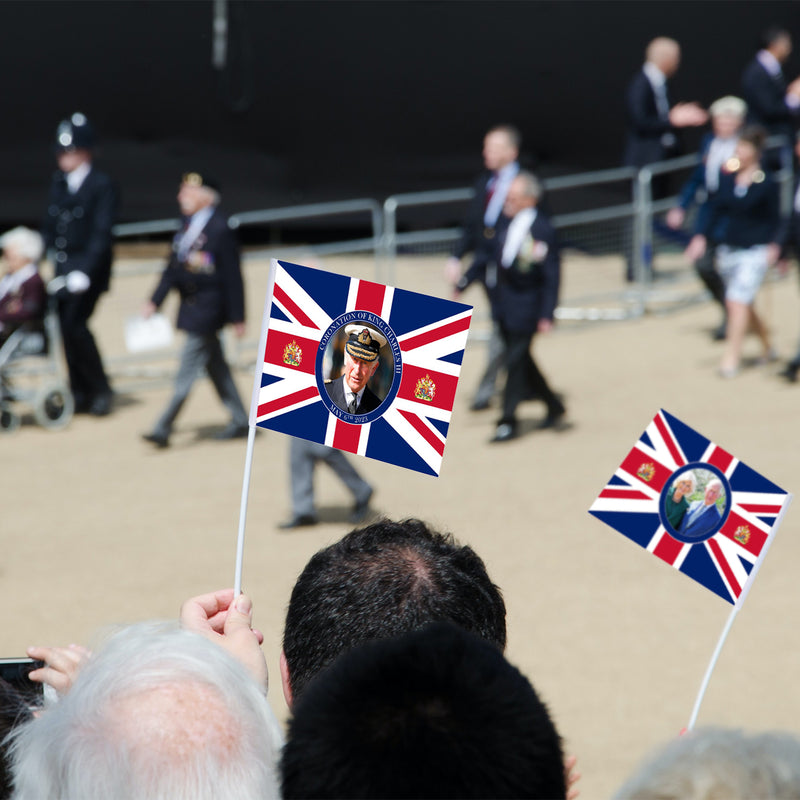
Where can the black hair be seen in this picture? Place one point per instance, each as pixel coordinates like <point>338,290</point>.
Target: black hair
<point>436,713</point>
<point>380,581</point>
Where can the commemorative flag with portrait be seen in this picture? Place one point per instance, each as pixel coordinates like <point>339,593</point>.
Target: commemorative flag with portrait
<point>720,535</point>
<point>425,338</point>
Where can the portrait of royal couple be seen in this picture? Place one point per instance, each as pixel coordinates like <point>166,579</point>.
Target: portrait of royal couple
<point>361,359</point>
<point>698,518</point>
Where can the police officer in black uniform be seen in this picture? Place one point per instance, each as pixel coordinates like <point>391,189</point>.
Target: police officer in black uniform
<point>81,210</point>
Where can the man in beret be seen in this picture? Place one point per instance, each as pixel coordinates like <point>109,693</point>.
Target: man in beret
<point>81,209</point>
<point>361,359</point>
<point>204,268</point>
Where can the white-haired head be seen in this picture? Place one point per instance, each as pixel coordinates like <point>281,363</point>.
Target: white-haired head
<point>728,105</point>
<point>686,476</point>
<point>159,713</point>
<point>24,242</point>
<point>715,762</point>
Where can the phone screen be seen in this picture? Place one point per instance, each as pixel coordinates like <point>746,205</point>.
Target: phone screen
<point>14,671</point>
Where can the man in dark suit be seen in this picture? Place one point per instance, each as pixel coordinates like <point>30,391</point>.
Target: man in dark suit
<point>528,267</point>
<point>770,103</point>
<point>652,122</point>
<point>204,268</point>
<point>361,352</point>
<point>81,209</point>
<point>500,153</point>
<point>702,516</point>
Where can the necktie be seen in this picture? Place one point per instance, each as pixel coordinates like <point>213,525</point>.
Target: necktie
<point>490,187</point>
<point>351,406</point>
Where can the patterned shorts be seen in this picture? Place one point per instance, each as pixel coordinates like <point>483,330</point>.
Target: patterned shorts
<point>743,270</point>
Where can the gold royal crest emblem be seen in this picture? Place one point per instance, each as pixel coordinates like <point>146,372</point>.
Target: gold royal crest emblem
<point>646,472</point>
<point>425,389</point>
<point>292,354</point>
<point>742,534</point>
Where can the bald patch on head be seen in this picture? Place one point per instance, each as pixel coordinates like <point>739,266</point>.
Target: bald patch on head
<point>174,721</point>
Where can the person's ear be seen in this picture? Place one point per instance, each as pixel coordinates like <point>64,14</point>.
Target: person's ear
<point>285,680</point>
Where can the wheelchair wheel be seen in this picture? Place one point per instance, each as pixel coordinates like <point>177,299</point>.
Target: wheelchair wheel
<point>9,421</point>
<point>53,407</point>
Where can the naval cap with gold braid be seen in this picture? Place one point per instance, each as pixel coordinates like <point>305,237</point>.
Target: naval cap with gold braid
<point>363,342</point>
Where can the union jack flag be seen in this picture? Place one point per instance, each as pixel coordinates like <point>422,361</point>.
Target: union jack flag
<point>425,335</point>
<point>724,559</point>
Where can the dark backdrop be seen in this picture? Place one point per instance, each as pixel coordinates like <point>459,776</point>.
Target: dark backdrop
<point>326,100</point>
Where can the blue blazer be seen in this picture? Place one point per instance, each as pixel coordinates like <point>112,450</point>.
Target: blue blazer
<point>702,524</point>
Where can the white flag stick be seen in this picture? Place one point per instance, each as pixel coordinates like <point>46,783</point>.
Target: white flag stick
<point>251,436</point>
<point>734,612</point>
<point>248,463</point>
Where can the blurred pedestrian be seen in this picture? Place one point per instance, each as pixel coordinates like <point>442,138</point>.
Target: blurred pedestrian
<point>500,153</point>
<point>717,147</point>
<point>81,210</point>
<point>204,268</point>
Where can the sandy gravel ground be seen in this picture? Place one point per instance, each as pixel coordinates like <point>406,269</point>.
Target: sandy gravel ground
<point>98,528</point>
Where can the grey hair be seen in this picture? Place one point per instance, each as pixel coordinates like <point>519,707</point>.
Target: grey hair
<point>26,242</point>
<point>716,481</point>
<point>224,743</point>
<point>533,186</point>
<point>686,476</point>
<point>729,104</point>
<point>717,762</point>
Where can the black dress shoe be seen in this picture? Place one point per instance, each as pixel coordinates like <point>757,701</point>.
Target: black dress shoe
<point>157,439</point>
<point>360,510</point>
<point>300,521</point>
<point>790,372</point>
<point>718,334</point>
<point>505,431</point>
<point>232,432</point>
<point>479,405</point>
<point>552,420</point>
<point>101,405</point>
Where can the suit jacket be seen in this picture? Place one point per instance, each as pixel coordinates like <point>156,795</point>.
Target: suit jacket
<point>208,279</point>
<point>702,524</point>
<point>528,292</point>
<point>766,100</point>
<point>645,127</point>
<point>24,306</point>
<point>78,227</point>
<point>369,400</point>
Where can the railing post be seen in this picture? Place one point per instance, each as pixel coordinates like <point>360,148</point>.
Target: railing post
<point>390,238</point>
<point>643,238</point>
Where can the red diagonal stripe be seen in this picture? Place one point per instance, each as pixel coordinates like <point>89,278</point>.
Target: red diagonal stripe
<point>666,434</point>
<point>758,508</point>
<point>624,494</point>
<point>720,459</point>
<point>668,548</point>
<point>723,565</point>
<point>370,297</point>
<point>280,295</point>
<point>346,436</point>
<point>287,400</point>
<point>427,434</point>
<point>444,386</point>
<point>437,333</point>
<point>636,460</point>
<point>276,347</point>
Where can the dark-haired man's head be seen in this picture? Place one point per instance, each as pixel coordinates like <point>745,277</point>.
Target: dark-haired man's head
<point>435,713</point>
<point>381,581</point>
<point>778,41</point>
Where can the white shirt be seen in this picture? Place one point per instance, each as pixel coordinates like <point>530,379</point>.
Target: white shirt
<point>502,180</point>
<point>76,178</point>
<point>719,152</point>
<point>518,229</point>
<point>349,394</point>
<point>197,222</point>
